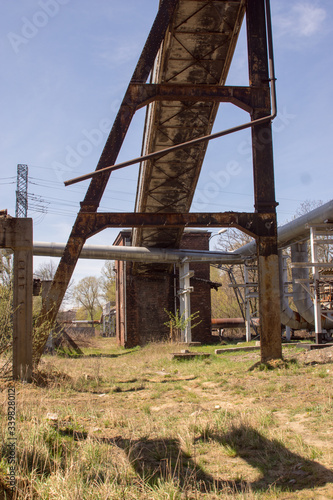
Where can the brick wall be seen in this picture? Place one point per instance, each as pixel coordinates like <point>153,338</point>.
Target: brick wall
<point>142,315</point>
<point>148,296</point>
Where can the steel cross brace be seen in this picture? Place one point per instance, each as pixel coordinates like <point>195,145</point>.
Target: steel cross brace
<point>254,224</point>
<point>247,98</point>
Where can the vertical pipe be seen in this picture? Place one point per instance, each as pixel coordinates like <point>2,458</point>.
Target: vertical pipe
<point>247,305</point>
<point>125,302</point>
<point>316,290</point>
<point>185,300</point>
<point>175,289</point>
<point>288,333</point>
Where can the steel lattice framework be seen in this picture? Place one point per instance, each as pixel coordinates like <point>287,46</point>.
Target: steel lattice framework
<point>22,191</point>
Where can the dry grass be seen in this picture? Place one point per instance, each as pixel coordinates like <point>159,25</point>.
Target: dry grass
<point>138,425</point>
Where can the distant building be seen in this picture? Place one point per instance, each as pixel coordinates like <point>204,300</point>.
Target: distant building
<point>66,316</point>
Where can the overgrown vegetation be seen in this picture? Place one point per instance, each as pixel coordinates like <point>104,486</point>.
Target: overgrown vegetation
<point>6,310</point>
<point>144,426</point>
<point>177,323</point>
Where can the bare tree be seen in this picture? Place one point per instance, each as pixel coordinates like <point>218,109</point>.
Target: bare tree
<point>306,206</point>
<point>87,294</point>
<point>46,271</point>
<point>224,303</point>
<point>230,241</point>
<point>108,281</point>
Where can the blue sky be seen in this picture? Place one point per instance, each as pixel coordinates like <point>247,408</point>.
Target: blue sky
<point>66,65</point>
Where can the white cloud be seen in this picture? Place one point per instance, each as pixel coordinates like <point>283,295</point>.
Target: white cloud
<point>303,20</point>
<point>119,55</point>
<point>310,18</point>
<point>118,52</point>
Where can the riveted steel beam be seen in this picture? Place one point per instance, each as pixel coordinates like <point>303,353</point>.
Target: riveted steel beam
<point>254,224</point>
<point>246,98</point>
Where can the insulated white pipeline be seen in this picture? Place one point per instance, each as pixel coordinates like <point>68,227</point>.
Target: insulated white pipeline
<point>138,254</point>
<point>295,230</point>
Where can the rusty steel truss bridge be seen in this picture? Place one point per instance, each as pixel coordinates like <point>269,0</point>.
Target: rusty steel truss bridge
<point>186,59</point>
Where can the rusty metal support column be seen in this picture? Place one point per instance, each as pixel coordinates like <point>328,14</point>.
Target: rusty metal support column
<point>16,233</point>
<point>264,190</point>
<point>109,155</point>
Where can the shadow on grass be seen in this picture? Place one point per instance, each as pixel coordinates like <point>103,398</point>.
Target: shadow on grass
<point>163,459</point>
<point>101,355</point>
<point>156,460</point>
<point>275,364</point>
<point>278,466</point>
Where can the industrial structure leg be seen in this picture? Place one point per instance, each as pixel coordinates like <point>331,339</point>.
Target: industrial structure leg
<point>269,302</point>
<point>263,176</point>
<point>16,233</point>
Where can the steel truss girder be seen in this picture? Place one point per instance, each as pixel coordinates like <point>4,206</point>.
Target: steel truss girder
<point>254,224</point>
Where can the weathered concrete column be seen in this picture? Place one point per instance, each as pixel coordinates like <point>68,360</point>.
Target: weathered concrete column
<point>16,233</point>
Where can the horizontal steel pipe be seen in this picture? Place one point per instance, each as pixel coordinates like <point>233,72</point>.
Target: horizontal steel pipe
<point>228,322</point>
<point>138,254</point>
<point>296,230</point>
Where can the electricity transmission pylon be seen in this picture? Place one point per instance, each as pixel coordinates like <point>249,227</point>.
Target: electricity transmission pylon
<point>22,191</point>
